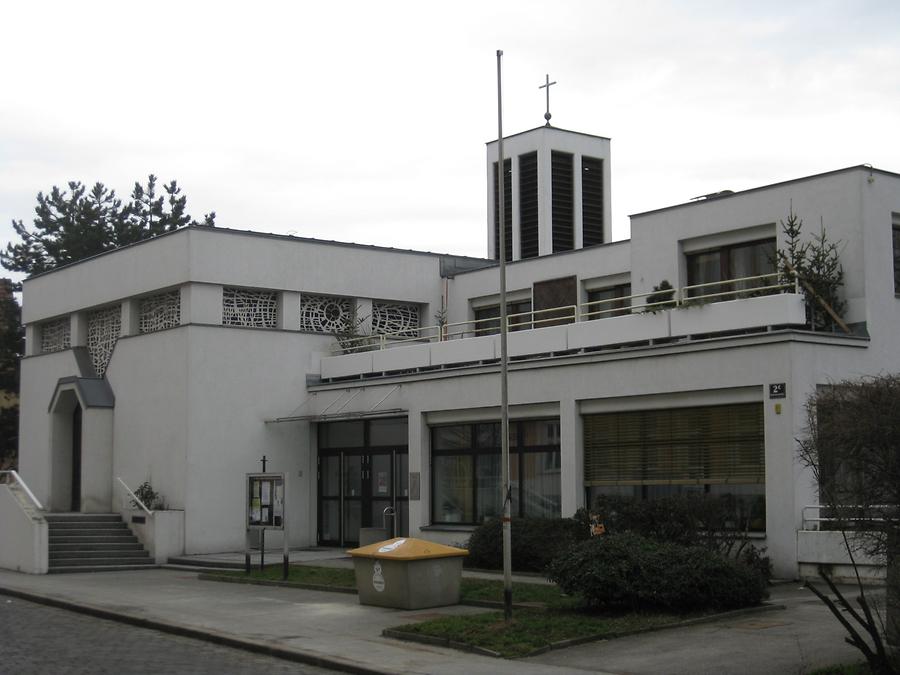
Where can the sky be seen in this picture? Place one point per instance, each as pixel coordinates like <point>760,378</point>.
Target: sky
<point>367,121</point>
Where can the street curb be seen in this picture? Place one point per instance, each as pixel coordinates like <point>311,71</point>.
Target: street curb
<point>296,655</point>
<point>563,644</point>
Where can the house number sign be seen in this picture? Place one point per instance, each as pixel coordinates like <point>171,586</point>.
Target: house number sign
<point>778,390</point>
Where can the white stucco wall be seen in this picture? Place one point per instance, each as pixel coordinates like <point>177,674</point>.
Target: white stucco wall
<point>703,373</point>
<point>23,537</point>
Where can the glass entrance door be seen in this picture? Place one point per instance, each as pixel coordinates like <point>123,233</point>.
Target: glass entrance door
<point>354,490</point>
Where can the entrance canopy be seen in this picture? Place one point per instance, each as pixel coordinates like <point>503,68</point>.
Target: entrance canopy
<point>345,404</point>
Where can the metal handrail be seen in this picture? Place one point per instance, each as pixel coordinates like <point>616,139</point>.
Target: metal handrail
<point>826,519</point>
<point>134,497</point>
<point>574,313</point>
<point>685,298</point>
<point>18,479</point>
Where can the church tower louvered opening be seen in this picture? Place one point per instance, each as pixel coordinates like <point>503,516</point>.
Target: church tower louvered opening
<point>508,207</point>
<point>528,204</point>
<point>591,201</point>
<point>556,192</point>
<point>563,201</point>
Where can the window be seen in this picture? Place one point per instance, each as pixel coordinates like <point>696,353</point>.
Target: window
<point>714,450</point>
<point>611,301</point>
<point>256,309</point>
<point>159,312</point>
<point>736,261</point>
<point>896,241</point>
<point>56,335</point>
<point>518,313</point>
<point>395,319</point>
<point>104,328</point>
<point>325,314</point>
<point>466,471</point>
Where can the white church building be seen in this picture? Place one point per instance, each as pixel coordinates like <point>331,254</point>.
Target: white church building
<point>184,359</point>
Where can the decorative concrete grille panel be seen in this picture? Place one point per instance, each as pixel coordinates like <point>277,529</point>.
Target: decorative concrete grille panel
<point>324,314</point>
<point>159,312</point>
<point>56,335</point>
<point>256,309</point>
<point>390,318</point>
<point>104,327</point>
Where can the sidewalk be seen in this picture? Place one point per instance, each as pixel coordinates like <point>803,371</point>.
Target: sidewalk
<point>333,630</point>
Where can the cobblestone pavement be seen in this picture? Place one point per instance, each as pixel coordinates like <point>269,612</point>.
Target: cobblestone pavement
<point>41,640</point>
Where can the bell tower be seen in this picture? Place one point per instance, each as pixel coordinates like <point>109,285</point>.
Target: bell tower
<point>556,189</point>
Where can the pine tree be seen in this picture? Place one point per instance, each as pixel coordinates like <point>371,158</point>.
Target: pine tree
<point>70,226</point>
<point>817,262</point>
<point>12,344</point>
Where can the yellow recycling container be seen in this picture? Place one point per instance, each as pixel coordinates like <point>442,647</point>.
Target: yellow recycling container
<point>408,573</point>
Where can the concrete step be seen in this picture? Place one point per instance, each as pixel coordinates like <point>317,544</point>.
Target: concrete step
<point>106,561</point>
<point>99,568</point>
<point>212,564</point>
<point>120,544</point>
<point>116,553</point>
<point>92,538</point>
<point>78,517</point>
<point>56,526</point>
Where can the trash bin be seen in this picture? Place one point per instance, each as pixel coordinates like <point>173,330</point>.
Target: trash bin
<point>408,573</point>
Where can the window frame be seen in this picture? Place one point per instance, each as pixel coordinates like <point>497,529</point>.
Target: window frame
<point>725,266</point>
<point>477,448</point>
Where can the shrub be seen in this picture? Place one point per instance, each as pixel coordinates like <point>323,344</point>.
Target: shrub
<point>690,520</point>
<point>639,573</point>
<point>535,542</point>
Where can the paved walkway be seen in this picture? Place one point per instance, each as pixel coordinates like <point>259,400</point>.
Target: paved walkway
<point>334,630</point>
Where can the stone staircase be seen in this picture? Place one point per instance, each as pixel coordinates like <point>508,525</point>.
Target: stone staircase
<point>93,542</point>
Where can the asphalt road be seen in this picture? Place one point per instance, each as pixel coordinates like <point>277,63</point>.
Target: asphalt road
<point>41,640</point>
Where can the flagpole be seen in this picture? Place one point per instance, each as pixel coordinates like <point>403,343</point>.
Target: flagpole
<point>504,358</point>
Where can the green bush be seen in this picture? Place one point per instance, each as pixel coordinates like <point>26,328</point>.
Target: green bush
<point>535,542</point>
<point>689,520</point>
<point>639,573</point>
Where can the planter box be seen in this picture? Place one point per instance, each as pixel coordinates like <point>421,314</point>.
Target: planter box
<point>403,357</point>
<point>538,341</point>
<point>619,330</point>
<point>717,317</point>
<point>346,365</point>
<point>466,350</point>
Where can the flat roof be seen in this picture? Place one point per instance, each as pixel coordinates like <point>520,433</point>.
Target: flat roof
<point>720,197</point>
<point>267,235</point>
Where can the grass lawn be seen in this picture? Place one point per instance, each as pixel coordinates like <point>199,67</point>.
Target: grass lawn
<point>552,618</point>
<point>533,629</point>
<point>472,590</point>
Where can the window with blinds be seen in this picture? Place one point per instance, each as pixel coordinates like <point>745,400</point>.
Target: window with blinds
<point>711,445</point>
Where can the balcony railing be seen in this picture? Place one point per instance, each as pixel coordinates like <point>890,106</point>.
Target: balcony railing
<point>639,303</point>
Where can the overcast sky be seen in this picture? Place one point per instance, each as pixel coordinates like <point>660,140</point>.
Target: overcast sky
<point>366,121</point>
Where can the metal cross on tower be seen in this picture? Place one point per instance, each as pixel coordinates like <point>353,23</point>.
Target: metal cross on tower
<point>547,84</point>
